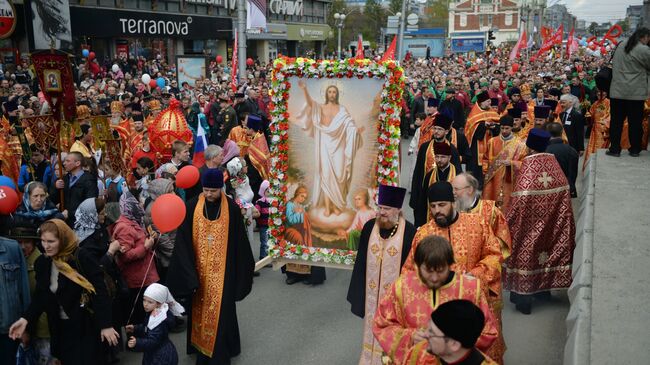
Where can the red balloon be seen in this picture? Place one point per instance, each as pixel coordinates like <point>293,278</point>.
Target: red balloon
<point>153,84</point>
<point>495,61</point>
<point>187,177</point>
<point>91,56</point>
<point>515,67</point>
<point>168,212</point>
<point>8,200</point>
<point>219,59</point>
<point>250,62</point>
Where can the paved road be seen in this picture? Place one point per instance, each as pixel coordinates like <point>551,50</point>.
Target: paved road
<point>305,325</point>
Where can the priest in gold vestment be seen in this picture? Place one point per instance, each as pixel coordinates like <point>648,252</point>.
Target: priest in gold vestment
<point>402,318</point>
<point>212,266</point>
<point>476,248</point>
<point>599,137</point>
<point>501,161</point>
<point>383,247</point>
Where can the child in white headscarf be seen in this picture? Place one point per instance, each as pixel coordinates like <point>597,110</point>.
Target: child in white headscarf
<point>152,337</point>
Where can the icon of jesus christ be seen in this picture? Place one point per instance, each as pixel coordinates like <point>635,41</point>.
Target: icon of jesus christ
<point>336,141</point>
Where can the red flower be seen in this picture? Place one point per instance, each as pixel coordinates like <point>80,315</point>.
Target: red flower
<point>293,249</point>
<point>350,74</point>
<point>305,250</point>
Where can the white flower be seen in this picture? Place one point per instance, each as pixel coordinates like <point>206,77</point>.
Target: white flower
<point>305,256</point>
<point>275,139</point>
<point>348,261</point>
<point>277,221</point>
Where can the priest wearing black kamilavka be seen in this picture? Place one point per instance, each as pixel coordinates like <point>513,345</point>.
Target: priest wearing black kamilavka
<point>384,245</point>
<point>442,170</point>
<point>212,266</point>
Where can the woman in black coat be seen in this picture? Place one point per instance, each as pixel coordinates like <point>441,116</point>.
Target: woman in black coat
<point>77,304</point>
<point>36,207</point>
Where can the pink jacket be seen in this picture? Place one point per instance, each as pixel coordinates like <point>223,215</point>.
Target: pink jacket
<point>134,261</point>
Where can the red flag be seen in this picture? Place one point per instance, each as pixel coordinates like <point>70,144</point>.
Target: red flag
<point>551,41</point>
<point>545,33</point>
<point>360,54</point>
<point>569,44</point>
<point>390,52</point>
<point>521,43</point>
<point>233,71</point>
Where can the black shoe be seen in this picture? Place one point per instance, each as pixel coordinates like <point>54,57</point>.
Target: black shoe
<point>524,308</point>
<point>291,281</point>
<point>634,154</point>
<point>514,297</point>
<point>544,295</point>
<point>615,154</point>
<point>256,274</point>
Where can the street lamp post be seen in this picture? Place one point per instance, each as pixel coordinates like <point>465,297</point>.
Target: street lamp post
<point>339,21</point>
<point>400,38</point>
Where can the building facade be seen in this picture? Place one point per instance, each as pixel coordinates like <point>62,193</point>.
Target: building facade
<point>557,15</point>
<point>166,28</point>
<point>633,16</point>
<point>470,21</point>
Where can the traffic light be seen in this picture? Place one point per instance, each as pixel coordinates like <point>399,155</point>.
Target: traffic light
<point>491,36</point>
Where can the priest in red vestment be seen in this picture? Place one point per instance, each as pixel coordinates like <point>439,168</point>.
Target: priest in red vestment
<point>401,324</point>
<point>476,249</point>
<point>501,161</point>
<point>541,222</point>
<point>481,127</point>
<point>453,331</point>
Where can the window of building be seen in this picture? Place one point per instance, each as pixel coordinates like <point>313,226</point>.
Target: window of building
<point>480,20</point>
<point>489,17</point>
<point>130,4</point>
<point>107,3</point>
<point>508,18</point>
<point>463,20</point>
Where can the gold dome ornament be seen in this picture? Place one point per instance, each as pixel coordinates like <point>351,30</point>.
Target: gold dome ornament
<point>169,126</point>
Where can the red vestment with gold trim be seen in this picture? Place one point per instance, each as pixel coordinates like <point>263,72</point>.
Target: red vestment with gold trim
<point>407,307</point>
<point>542,228</point>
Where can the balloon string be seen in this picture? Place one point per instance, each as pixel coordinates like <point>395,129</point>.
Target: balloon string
<point>144,279</point>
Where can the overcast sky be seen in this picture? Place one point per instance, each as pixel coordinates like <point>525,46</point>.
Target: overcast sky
<point>598,10</point>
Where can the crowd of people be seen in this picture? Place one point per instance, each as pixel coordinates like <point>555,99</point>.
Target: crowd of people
<point>83,261</point>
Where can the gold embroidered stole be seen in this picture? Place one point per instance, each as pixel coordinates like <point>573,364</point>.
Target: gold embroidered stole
<point>210,240</point>
<point>382,269</point>
<point>510,149</point>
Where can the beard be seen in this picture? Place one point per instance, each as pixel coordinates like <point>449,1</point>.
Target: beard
<point>443,220</point>
<point>116,120</point>
<point>464,203</point>
<point>387,222</point>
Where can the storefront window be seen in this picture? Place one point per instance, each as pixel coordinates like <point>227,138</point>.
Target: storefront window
<point>107,3</point>
<point>130,4</point>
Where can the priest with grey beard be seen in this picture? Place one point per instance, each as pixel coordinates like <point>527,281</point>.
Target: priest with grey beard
<point>468,199</point>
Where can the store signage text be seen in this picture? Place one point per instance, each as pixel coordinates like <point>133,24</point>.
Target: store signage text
<point>286,7</point>
<point>229,4</point>
<point>155,27</point>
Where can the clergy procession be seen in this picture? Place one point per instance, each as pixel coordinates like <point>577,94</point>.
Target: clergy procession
<point>147,217</point>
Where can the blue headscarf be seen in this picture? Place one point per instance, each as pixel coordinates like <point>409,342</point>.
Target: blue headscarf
<point>42,214</point>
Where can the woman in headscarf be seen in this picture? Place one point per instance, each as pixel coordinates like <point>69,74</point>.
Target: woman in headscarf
<point>165,244</point>
<point>70,289</point>
<point>36,207</point>
<point>93,236</point>
<point>136,254</point>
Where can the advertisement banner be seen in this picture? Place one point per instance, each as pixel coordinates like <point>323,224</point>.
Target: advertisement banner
<point>107,23</point>
<point>418,47</point>
<point>190,69</point>
<point>51,24</point>
<point>464,45</point>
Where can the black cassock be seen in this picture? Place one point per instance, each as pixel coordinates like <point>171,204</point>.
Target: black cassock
<point>473,165</point>
<point>420,182</point>
<point>182,279</point>
<point>357,289</point>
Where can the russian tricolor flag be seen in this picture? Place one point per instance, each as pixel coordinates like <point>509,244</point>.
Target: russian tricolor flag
<point>199,147</point>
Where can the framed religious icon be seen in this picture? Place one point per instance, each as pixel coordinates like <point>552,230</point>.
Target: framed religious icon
<point>190,69</point>
<point>334,139</point>
<point>52,81</point>
<point>101,127</point>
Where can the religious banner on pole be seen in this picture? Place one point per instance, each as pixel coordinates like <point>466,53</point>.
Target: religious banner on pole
<point>323,185</point>
<point>44,129</point>
<point>54,73</point>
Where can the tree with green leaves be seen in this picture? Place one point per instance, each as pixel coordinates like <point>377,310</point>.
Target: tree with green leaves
<point>592,28</point>
<point>395,6</point>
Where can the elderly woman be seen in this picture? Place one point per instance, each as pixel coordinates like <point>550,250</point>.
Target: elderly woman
<point>36,207</point>
<point>93,236</point>
<point>136,252</point>
<point>70,289</point>
<point>165,245</point>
